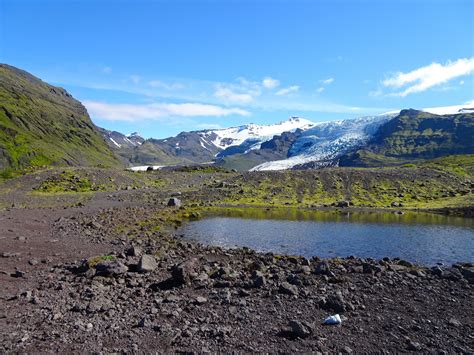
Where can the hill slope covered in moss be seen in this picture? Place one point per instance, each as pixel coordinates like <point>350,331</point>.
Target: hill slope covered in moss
<point>41,124</point>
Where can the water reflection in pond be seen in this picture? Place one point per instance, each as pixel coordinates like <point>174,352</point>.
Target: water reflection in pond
<point>418,237</point>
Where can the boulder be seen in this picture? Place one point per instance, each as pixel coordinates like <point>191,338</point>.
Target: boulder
<point>452,273</point>
<point>111,268</point>
<point>336,303</point>
<point>322,268</point>
<point>186,271</point>
<point>342,204</point>
<point>147,263</point>
<point>468,273</point>
<point>174,202</point>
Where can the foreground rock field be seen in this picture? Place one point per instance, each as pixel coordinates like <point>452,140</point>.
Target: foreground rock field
<point>105,271</point>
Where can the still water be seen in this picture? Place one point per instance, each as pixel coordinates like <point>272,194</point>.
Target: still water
<point>422,238</point>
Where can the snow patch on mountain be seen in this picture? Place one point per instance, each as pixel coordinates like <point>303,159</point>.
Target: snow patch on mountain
<point>114,142</point>
<point>451,110</point>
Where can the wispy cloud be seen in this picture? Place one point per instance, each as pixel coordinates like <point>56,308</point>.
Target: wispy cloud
<point>270,83</point>
<point>288,90</point>
<point>135,79</point>
<point>156,111</point>
<point>107,70</point>
<point>163,85</point>
<point>426,77</point>
<point>326,81</point>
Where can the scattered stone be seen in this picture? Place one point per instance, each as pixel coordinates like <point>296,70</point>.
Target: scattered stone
<point>94,225</point>
<point>18,273</point>
<point>337,303</point>
<point>454,322</point>
<point>9,255</point>
<point>300,329</point>
<point>144,323</point>
<point>201,300</point>
<point>414,346</point>
<point>288,289</point>
<point>33,262</point>
<point>259,281</point>
<point>346,350</point>
<point>135,251</point>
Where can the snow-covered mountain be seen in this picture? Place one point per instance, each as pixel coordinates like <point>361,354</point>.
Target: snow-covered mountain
<point>251,135</point>
<point>328,140</point>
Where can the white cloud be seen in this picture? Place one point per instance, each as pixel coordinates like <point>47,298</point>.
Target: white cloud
<point>288,90</point>
<point>156,111</point>
<point>326,81</point>
<point>135,79</point>
<point>228,95</point>
<point>107,70</point>
<point>242,92</point>
<point>423,78</point>
<point>270,83</point>
<point>320,89</point>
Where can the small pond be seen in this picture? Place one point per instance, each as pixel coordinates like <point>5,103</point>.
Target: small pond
<point>422,238</point>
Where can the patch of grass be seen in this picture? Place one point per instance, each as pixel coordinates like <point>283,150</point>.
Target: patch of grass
<point>92,262</point>
<point>68,182</point>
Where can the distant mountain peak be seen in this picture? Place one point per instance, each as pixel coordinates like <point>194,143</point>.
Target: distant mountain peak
<point>134,134</point>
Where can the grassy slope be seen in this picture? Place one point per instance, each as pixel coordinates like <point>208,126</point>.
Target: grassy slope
<point>445,182</point>
<point>415,136</point>
<point>43,125</point>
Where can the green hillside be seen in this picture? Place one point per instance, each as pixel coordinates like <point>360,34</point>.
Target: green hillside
<point>416,136</point>
<point>43,125</point>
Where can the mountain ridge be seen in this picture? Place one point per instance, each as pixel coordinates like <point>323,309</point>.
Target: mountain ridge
<point>306,145</point>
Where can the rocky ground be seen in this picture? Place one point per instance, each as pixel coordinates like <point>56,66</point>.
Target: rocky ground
<point>107,273</point>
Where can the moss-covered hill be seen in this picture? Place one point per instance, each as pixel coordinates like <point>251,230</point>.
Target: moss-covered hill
<point>415,136</point>
<point>42,125</point>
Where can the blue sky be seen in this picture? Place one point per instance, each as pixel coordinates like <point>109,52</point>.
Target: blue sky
<point>161,67</point>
